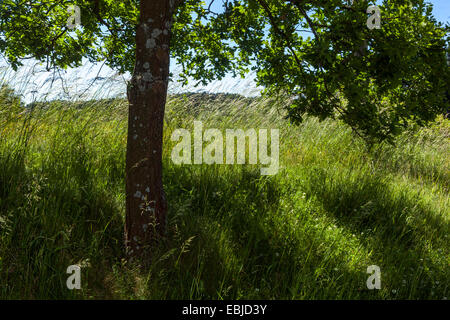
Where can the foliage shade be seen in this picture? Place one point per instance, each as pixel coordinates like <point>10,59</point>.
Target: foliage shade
<point>309,232</point>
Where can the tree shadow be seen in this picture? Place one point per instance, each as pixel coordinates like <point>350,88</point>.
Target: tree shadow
<point>402,230</point>
<point>241,251</point>
<point>57,216</point>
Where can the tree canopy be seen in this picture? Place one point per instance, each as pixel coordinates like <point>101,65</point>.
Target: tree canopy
<point>320,52</point>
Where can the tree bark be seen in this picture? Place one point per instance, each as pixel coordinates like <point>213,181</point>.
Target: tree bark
<point>146,206</point>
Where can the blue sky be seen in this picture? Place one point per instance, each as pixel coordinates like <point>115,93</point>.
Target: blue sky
<point>32,81</point>
<point>441,10</point>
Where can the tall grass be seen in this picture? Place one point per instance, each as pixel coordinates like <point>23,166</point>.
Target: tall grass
<point>309,232</point>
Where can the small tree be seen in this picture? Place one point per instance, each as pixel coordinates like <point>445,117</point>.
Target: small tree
<point>377,80</point>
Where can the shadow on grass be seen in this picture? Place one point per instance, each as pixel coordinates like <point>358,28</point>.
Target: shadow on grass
<point>53,217</point>
<point>240,249</point>
<point>404,233</point>
<point>227,238</point>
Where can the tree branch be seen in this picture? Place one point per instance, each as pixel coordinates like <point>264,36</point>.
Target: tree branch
<point>273,22</point>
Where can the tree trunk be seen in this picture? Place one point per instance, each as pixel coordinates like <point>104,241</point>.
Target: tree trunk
<point>146,206</point>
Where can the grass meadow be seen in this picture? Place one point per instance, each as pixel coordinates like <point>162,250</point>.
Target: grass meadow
<point>309,232</point>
